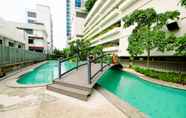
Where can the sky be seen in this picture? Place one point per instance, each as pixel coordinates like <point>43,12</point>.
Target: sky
<point>15,10</point>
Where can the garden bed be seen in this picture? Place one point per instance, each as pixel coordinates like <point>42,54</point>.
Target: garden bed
<point>160,75</point>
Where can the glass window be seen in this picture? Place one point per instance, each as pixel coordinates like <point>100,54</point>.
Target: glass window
<point>11,44</point>
<point>31,14</point>
<point>1,42</point>
<point>78,3</point>
<point>31,21</point>
<point>29,31</point>
<point>30,41</point>
<point>19,46</point>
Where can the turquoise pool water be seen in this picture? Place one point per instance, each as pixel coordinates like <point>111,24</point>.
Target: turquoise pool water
<point>154,100</point>
<point>45,73</point>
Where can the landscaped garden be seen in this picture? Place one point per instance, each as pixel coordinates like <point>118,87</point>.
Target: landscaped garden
<point>149,34</point>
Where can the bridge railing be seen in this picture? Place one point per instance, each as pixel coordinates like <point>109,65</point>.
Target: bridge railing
<point>90,60</point>
<point>77,63</point>
<point>97,60</point>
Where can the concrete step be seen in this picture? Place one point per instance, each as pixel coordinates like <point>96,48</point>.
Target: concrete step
<point>73,92</point>
<point>73,85</point>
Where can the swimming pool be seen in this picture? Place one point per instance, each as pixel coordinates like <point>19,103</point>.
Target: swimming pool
<point>154,100</point>
<point>45,73</point>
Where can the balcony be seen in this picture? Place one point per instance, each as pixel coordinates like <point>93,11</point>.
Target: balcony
<point>99,15</point>
<point>111,49</point>
<point>107,37</point>
<point>102,13</point>
<point>107,22</point>
<point>95,8</point>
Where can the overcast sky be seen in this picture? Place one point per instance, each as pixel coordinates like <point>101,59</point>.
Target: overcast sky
<point>14,10</point>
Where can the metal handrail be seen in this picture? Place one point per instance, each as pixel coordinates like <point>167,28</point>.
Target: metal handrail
<point>90,76</point>
<point>66,59</point>
<point>63,60</point>
<point>72,69</point>
<point>98,57</point>
<point>88,63</point>
<point>100,70</point>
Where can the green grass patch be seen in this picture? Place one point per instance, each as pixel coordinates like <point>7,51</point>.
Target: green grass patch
<point>165,76</point>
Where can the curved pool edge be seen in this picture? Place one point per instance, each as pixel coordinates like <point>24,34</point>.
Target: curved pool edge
<point>127,109</point>
<point>13,79</point>
<point>156,81</point>
<point>15,84</point>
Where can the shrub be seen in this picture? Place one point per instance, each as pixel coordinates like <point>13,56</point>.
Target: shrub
<point>89,4</point>
<point>165,76</point>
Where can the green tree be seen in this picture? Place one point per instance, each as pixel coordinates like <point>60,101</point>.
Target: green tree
<point>66,52</point>
<point>181,46</point>
<point>89,4</point>
<point>181,41</point>
<point>148,33</point>
<point>80,47</point>
<point>97,50</point>
<point>183,2</point>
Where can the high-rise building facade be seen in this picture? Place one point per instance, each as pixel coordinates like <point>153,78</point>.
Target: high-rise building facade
<point>75,17</point>
<point>104,25</point>
<point>42,16</point>
<point>78,3</point>
<point>68,19</point>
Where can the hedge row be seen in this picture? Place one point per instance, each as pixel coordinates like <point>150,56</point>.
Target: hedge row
<point>165,76</point>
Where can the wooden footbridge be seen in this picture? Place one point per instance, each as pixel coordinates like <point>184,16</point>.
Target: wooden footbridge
<point>79,81</point>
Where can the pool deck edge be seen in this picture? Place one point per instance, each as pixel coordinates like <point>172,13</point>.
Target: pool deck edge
<point>156,81</point>
<point>12,80</point>
<point>124,107</point>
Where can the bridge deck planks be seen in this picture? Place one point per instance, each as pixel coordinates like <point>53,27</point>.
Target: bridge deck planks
<point>79,76</point>
<point>75,83</point>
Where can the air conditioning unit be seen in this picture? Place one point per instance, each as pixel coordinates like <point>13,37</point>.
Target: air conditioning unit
<point>172,26</point>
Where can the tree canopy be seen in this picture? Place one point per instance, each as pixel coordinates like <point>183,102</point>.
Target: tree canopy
<point>148,33</point>
<point>183,2</point>
<point>89,4</point>
<point>150,18</point>
<point>181,46</point>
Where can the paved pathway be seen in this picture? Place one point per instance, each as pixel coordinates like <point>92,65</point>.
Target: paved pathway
<point>38,102</point>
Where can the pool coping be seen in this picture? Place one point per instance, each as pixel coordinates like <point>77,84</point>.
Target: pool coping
<point>12,80</point>
<point>129,110</point>
<point>156,81</point>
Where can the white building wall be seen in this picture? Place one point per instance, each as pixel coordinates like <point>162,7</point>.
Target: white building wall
<point>44,16</point>
<point>160,6</point>
<point>9,30</point>
<point>16,33</point>
<point>121,8</point>
<point>77,22</point>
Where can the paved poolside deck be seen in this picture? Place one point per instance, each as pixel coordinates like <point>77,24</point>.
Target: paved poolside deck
<point>38,102</point>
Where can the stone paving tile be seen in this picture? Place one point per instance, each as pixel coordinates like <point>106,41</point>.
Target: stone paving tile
<point>46,104</point>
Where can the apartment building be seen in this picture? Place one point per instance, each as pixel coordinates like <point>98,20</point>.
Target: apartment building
<point>42,16</point>
<point>35,36</point>
<point>23,35</point>
<point>10,35</point>
<point>75,18</point>
<point>104,25</point>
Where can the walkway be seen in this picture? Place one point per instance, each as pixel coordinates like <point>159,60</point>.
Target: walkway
<point>76,83</point>
<point>40,103</point>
